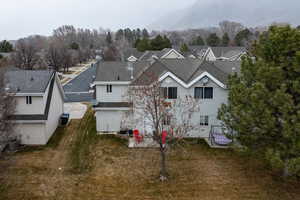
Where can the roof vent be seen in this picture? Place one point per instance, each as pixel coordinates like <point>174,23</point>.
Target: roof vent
<point>18,89</point>
<point>32,79</point>
<point>118,78</point>
<point>233,69</point>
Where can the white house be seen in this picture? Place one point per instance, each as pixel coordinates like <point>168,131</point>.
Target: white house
<point>225,53</point>
<point>166,53</point>
<point>201,79</point>
<point>39,99</point>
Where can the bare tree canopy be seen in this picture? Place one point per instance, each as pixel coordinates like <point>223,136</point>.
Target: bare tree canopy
<point>167,121</point>
<point>7,108</point>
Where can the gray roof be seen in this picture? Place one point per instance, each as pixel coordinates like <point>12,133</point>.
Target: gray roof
<point>46,111</point>
<point>148,54</point>
<point>131,52</point>
<point>119,71</point>
<point>227,52</point>
<point>27,81</point>
<point>188,69</point>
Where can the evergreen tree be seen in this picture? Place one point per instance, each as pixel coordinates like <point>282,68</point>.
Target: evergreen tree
<point>143,45</point>
<point>167,42</point>
<point>145,33</point>
<point>264,100</point>
<point>213,40</point>
<point>242,37</point>
<point>184,48</point>
<point>108,38</point>
<point>119,34</point>
<point>198,41</point>
<point>225,40</point>
<point>5,46</point>
<point>74,46</point>
<point>157,43</point>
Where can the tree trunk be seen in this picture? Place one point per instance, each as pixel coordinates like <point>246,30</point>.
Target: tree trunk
<point>286,172</point>
<point>163,169</point>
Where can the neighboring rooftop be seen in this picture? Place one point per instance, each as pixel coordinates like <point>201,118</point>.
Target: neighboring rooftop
<point>131,52</point>
<point>227,52</point>
<point>119,71</point>
<point>28,81</point>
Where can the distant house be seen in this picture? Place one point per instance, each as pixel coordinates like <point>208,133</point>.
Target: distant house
<point>218,53</point>
<point>167,53</point>
<point>131,54</point>
<point>39,104</point>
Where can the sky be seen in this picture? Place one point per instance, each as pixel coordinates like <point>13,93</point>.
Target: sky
<point>21,18</point>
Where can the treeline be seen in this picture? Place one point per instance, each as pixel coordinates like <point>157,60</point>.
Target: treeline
<point>67,46</point>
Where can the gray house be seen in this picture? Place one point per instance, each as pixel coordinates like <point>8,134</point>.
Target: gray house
<point>201,79</point>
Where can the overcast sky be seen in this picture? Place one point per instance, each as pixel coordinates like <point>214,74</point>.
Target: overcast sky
<point>20,18</point>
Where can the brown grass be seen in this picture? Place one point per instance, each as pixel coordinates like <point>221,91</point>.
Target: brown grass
<point>197,172</point>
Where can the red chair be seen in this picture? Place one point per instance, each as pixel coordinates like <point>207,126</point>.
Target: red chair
<point>137,136</point>
<point>164,137</point>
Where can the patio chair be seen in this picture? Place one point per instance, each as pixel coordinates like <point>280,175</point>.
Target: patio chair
<point>138,138</point>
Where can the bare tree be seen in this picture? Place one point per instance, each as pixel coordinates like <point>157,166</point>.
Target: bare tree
<point>7,108</point>
<point>26,54</point>
<point>231,28</point>
<point>152,109</point>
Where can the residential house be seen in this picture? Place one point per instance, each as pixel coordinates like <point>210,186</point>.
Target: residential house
<point>131,55</point>
<point>201,79</point>
<point>39,99</point>
<point>166,53</point>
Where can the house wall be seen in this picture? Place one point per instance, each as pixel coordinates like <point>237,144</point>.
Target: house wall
<point>109,120</point>
<point>31,133</point>
<point>55,111</point>
<point>208,107</point>
<point>118,94</point>
<point>37,106</point>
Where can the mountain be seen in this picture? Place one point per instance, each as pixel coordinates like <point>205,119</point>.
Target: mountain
<point>207,13</point>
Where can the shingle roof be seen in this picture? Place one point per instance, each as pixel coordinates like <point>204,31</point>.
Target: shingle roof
<point>119,71</point>
<point>27,81</point>
<point>131,52</point>
<point>227,52</point>
<point>46,111</point>
<point>188,69</point>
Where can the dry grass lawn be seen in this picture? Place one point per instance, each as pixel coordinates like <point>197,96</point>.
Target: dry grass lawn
<point>117,172</point>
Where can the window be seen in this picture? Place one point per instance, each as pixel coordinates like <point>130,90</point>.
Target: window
<point>109,88</point>
<point>28,99</point>
<point>203,93</point>
<point>172,93</point>
<point>204,120</point>
<point>168,92</point>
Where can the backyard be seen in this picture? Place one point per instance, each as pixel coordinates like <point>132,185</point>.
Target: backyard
<point>105,168</point>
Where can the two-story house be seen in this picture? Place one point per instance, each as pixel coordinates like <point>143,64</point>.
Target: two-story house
<point>201,79</point>
<point>39,99</point>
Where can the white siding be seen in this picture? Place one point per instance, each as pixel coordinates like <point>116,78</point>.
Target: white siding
<point>37,106</point>
<point>173,55</point>
<point>31,134</point>
<point>118,93</point>
<point>208,107</point>
<point>109,121</point>
<point>55,112</point>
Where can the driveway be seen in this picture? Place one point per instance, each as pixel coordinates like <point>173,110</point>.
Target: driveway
<point>76,110</point>
<point>78,89</point>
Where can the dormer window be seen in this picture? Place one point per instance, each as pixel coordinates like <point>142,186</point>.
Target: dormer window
<point>28,99</point>
<point>108,88</point>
